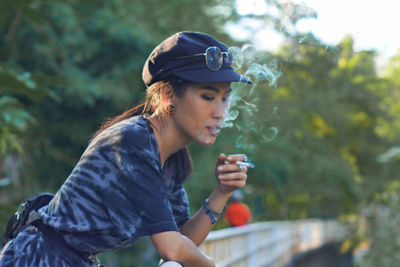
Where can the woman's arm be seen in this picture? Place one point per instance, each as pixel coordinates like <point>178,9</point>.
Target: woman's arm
<point>199,225</point>
<point>182,247</point>
<point>229,178</point>
<point>174,246</point>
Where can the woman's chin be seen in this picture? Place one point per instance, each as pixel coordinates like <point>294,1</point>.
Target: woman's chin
<point>207,141</point>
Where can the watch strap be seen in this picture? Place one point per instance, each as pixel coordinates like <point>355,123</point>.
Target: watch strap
<point>212,214</point>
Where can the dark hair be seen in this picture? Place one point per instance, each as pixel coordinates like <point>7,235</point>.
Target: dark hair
<point>152,102</point>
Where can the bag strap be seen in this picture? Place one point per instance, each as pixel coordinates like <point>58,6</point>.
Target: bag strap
<point>20,220</point>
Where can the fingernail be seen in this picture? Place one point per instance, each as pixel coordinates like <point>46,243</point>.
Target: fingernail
<point>220,168</point>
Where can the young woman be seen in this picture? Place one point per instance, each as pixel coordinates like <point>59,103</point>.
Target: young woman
<point>128,182</point>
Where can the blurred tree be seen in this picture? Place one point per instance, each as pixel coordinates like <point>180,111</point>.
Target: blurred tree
<point>19,88</point>
<point>382,228</point>
<point>381,213</point>
<point>331,102</point>
<point>390,104</point>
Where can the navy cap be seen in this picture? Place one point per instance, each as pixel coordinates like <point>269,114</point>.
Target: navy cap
<point>165,60</point>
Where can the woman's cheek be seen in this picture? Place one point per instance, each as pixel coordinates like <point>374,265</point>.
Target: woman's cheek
<point>225,113</point>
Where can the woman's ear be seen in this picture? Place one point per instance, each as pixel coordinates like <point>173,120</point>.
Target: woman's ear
<point>167,95</point>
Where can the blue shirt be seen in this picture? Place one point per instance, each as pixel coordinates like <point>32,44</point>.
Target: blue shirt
<point>117,193</point>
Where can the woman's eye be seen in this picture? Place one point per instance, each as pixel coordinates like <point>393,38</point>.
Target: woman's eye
<point>208,98</point>
<point>226,99</point>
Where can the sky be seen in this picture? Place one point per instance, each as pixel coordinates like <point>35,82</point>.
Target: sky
<point>374,24</point>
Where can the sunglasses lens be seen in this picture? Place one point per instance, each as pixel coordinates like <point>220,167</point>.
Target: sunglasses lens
<point>235,57</point>
<point>213,58</point>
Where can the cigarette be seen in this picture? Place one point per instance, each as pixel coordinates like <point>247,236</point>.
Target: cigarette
<point>245,164</point>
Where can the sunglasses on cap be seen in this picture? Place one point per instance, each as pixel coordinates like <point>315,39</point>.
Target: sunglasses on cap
<point>215,57</point>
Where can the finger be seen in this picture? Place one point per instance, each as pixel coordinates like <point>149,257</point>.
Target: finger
<point>229,168</point>
<point>237,157</point>
<point>244,157</point>
<point>234,183</point>
<point>221,159</point>
<point>232,168</point>
<point>233,176</point>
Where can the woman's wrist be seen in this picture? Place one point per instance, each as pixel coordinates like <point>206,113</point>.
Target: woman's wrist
<point>218,193</point>
<point>214,215</point>
<point>217,200</point>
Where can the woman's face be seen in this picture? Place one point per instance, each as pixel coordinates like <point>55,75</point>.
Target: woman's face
<point>200,111</point>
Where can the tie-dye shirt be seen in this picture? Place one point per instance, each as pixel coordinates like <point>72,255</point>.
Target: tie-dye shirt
<point>117,193</point>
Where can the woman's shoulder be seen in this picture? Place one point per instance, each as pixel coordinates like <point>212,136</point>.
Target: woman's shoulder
<point>137,133</point>
<point>135,129</point>
<point>127,139</point>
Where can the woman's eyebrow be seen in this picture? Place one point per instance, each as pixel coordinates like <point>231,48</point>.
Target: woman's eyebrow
<point>215,89</point>
<point>210,87</point>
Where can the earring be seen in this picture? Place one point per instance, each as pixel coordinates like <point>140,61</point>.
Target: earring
<point>171,109</point>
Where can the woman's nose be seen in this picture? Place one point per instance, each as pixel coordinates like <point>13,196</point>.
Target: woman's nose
<point>220,110</point>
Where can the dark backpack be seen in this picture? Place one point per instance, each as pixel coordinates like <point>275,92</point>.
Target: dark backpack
<point>21,219</point>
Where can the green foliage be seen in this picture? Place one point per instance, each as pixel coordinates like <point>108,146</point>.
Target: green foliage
<point>15,116</point>
<point>383,221</point>
<point>390,128</point>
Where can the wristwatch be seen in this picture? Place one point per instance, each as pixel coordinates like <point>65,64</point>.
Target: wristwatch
<point>212,214</point>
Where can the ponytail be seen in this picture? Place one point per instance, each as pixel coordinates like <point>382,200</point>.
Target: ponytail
<point>136,111</point>
<point>152,102</point>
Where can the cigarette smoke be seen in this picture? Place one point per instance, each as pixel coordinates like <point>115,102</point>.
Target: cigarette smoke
<point>244,110</point>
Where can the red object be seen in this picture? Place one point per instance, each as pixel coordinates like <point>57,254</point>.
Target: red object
<point>237,214</point>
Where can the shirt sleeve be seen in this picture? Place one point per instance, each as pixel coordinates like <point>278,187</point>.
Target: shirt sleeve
<point>180,204</point>
<point>137,199</point>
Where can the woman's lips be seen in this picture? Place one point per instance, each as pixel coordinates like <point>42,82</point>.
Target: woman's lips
<point>214,130</point>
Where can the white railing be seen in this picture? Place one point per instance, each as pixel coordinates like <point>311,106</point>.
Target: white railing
<point>270,243</point>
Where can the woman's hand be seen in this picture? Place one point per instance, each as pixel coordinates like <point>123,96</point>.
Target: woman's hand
<point>229,175</point>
